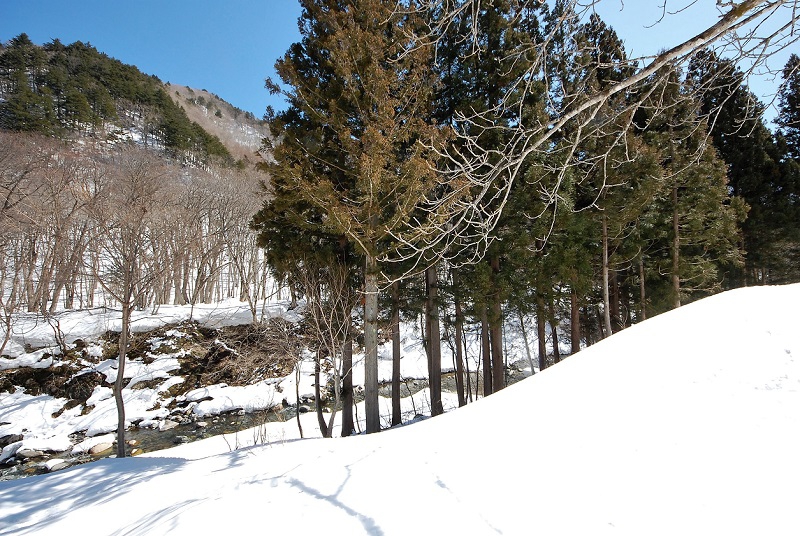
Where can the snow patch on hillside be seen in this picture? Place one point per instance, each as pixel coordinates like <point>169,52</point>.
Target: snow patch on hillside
<point>684,424</point>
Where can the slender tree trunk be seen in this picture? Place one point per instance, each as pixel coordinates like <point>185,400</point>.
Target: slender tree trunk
<point>575,322</point>
<point>588,324</point>
<point>120,381</point>
<point>642,295</point>
<point>525,340</point>
<point>554,334</point>
<point>614,300</point>
<point>397,417</point>
<point>434,342</point>
<point>347,386</point>
<point>496,328</point>
<point>606,300</point>
<point>541,332</point>
<point>676,245</point>
<point>486,352</point>
<point>323,427</point>
<point>468,386</point>
<point>371,409</point>
<point>298,366</point>
<point>462,400</point>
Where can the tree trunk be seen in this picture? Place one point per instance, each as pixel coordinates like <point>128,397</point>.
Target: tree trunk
<point>676,245</point>
<point>120,381</point>
<point>486,352</point>
<point>371,409</point>
<point>496,327</point>
<point>606,300</point>
<point>614,301</point>
<point>323,427</point>
<point>462,400</point>
<point>434,341</point>
<point>347,386</point>
<point>397,417</point>
<point>575,322</point>
<point>541,332</point>
<point>297,396</point>
<point>642,295</point>
<point>525,340</point>
<point>554,334</point>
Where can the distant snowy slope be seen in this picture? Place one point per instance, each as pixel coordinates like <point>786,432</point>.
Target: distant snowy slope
<point>240,132</point>
<point>688,423</point>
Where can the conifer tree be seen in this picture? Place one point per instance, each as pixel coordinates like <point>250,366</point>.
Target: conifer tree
<point>789,103</point>
<point>698,219</point>
<point>351,138</point>
<point>755,170</point>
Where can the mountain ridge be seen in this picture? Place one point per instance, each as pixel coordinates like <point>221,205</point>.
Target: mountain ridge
<point>76,91</point>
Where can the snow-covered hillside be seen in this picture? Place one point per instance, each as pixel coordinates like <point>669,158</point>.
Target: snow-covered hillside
<point>241,133</point>
<point>688,423</point>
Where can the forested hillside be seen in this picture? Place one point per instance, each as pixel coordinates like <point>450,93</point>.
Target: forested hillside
<point>58,90</point>
<point>111,194</point>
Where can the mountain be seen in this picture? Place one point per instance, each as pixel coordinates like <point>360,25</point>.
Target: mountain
<point>684,424</point>
<point>77,91</point>
<point>241,132</point>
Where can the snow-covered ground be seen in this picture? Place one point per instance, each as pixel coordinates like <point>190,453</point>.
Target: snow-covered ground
<point>46,428</point>
<point>688,423</point>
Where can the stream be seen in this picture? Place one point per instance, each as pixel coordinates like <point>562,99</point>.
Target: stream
<point>153,439</point>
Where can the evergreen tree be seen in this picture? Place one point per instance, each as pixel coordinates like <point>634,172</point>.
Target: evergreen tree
<point>754,167</point>
<point>478,78</point>
<point>697,223</point>
<point>351,139</point>
<point>789,107</point>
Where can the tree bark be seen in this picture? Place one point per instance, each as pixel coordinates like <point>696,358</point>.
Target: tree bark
<point>496,327</point>
<point>397,417</point>
<point>606,300</point>
<point>371,409</point>
<point>676,245</point>
<point>298,366</point>
<point>347,386</point>
<point>323,427</point>
<point>642,295</point>
<point>541,332</point>
<point>119,383</point>
<point>434,342</point>
<point>554,335</point>
<point>462,400</point>
<point>575,322</point>
<point>614,301</point>
<point>486,352</point>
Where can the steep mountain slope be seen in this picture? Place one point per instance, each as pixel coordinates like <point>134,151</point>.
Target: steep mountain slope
<point>240,132</point>
<point>74,90</point>
<point>684,424</point>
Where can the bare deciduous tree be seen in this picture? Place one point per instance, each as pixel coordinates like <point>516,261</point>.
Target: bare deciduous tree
<point>330,300</point>
<point>131,201</point>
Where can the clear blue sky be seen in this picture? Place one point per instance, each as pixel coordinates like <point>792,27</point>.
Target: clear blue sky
<point>230,47</point>
<point>227,48</point>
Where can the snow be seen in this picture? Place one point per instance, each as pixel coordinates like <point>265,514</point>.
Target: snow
<point>22,412</point>
<point>685,424</point>
<point>29,329</point>
<point>221,398</point>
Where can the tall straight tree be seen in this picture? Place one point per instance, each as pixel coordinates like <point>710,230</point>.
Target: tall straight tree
<point>754,168</point>
<point>351,139</point>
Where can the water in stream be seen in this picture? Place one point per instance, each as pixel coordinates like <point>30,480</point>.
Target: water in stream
<point>151,439</point>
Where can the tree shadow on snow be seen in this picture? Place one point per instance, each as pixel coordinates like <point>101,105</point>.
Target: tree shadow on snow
<point>369,524</point>
<point>31,504</point>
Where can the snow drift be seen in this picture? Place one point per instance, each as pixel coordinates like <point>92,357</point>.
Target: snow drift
<point>688,423</point>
